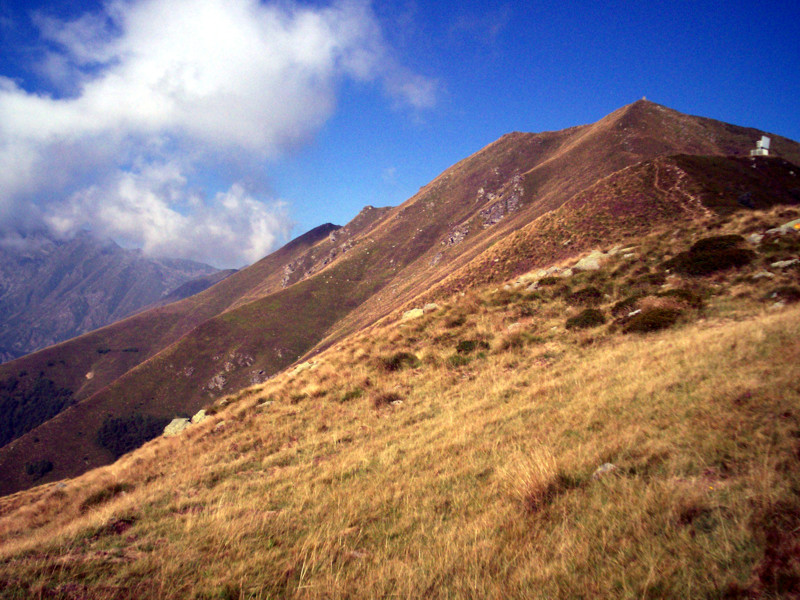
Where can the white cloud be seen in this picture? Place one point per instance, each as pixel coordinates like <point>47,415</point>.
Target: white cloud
<point>157,91</point>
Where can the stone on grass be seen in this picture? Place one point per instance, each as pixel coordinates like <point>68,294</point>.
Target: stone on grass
<point>782,264</point>
<point>604,469</point>
<point>175,427</point>
<point>430,307</point>
<point>199,416</point>
<point>591,262</point>
<point>414,313</point>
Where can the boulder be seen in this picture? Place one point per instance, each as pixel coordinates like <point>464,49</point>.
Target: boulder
<point>786,227</point>
<point>430,307</point>
<point>199,416</point>
<point>782,264</point>
<point>175,427</point>
<point>591,262</point>
<point>603,470</point>
<point>414,313</point>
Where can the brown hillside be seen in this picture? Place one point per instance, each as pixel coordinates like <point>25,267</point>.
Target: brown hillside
<point>263,318</point>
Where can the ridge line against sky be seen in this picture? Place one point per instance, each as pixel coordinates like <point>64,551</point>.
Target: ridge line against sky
<point>217,129</point>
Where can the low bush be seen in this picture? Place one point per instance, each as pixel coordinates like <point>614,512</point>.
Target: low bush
<point>469,346</point>
<point>710,255</point>
<point>626,305</point>
<point>119,435</point>
<point>38,468</point>
<point>381,399</point>
<point>590,317</point>
<point>104,495</point>
<point>454,321</point>
<point>785,293</point>
<point>457,360</point>
<point>689,297</point>
<point>545,281</point>
<point>588,296</point>
<point>352,394</point>
<point>652,319</point>
<point>399,360</point>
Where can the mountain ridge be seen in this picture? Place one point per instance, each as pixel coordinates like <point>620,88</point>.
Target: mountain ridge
<point>52,290</point>
<point>304,298</point>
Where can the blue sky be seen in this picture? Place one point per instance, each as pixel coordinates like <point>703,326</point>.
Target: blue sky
<point>217,130</point>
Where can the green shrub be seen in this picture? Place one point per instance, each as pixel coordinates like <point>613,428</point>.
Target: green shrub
<point>399,360</point>
<point>454,321</point>
<point>38,468</point>
<point>469,346</point>
<point>590,317</point>
<point>717,243</point>
<point>352,395</point>
<point>382,399</point>
<point>626,305</point>
<point>119,435</point>
<point>653,279</point>
<point>26,404</point>
<point>652,319</point>
<point>104,494</point>
<point>457,360</point>
<point>545,281</point>
<point>785,293</point>
<point>588,296</point>
<point>689,297</point>
<point>710,255</point>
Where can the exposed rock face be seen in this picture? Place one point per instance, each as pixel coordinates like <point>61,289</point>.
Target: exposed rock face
<point>508,201</point>
<point>53,290</point>
<point>176,426</point>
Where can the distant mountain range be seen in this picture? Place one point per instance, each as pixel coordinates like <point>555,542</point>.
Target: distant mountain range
<point>53,290</point>
<point>528,200</point>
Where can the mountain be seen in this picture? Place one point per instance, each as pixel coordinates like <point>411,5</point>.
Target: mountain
<point>52,290</point>
<point>524,202</point>
<point>617,421</point>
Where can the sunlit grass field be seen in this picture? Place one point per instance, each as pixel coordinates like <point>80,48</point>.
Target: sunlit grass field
<point>456,455</point>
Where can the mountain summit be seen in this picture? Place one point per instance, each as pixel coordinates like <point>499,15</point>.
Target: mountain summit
<point>525,201</point>
<point>52,290</point>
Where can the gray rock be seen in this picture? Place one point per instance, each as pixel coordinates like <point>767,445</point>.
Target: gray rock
<point>430,307</point>
<point>175,427</point>
<point>755,238</point>
<point>764,275</point>
<point>414,313</point>
<point>199,416</point>
<point>782,264</point>
<point>604,469</point>
<point>590,262</point>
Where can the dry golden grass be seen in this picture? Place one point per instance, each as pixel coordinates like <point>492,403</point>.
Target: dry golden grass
<point>479,483</point>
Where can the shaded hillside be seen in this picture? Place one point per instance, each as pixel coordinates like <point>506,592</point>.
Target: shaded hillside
<point>52,290</point>
<point>304,297</point>
<point>498,446</point>
<point>195,286</point>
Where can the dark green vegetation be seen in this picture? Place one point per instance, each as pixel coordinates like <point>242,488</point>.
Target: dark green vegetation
<point>27,402</point>
<point>652,319</point>
<point>589,317</point>
<point>120,435</point>
<point>399,360</point>
<point>38,468</point>
<point>712,254</point>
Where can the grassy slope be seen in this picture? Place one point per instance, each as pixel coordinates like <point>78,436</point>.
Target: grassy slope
<point>478,482</point>
<point>402,245</point>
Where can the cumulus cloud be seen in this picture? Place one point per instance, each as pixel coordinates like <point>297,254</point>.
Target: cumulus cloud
<point>151,93</point>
